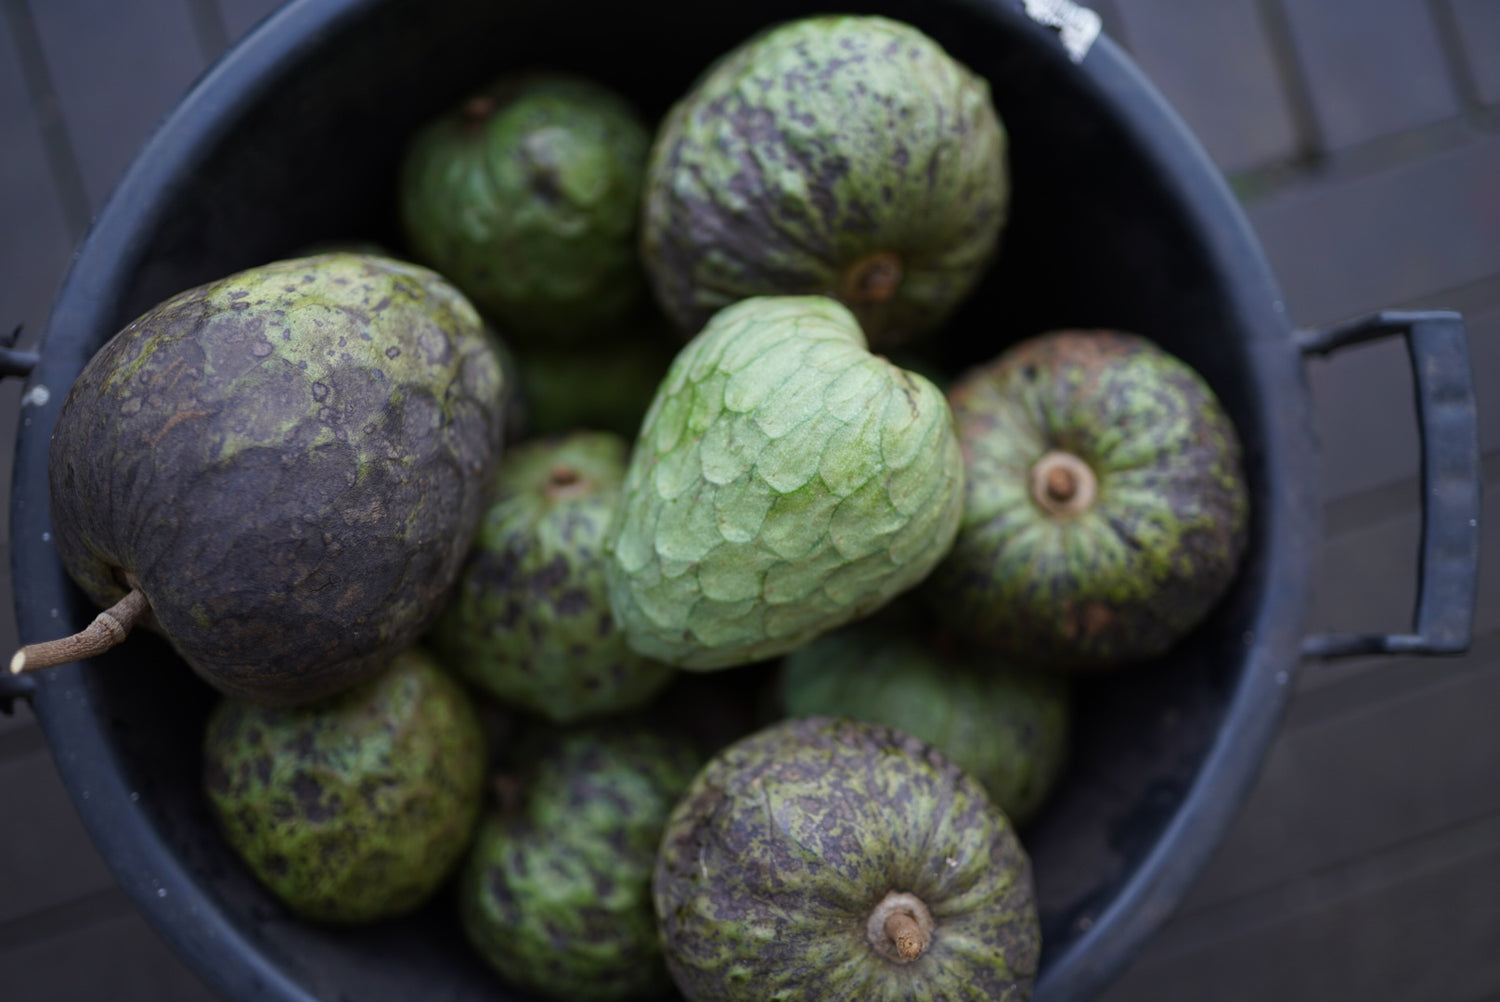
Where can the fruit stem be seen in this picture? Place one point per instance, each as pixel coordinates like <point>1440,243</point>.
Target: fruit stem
<point>872,279</point>
<point>900,927</point>
<point>1062,484</point>
<point>108,628</point>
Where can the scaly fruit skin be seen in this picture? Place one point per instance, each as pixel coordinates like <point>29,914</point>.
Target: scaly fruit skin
<point>1126,578</point>
<point>529,620</point>
<point>556,894</point>
<point>528,197</point>
<point>785,843</point>
<point>289,461</point>
<point>804,155</point>
<point>355,808</point>
<point>1006,725</point>
<point>785,481</point>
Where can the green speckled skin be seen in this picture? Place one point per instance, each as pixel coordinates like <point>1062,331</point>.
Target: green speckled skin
<point>811,147</point>
<point>291,462</point>
<point>532,206</point>
<point>1124,580</point>
<point>786,841</point>
<point>1006,725</point>
<point>785,481</point>
<point>556,894</point>
<point>355,808</point>
<point>529,620</point>
<point>606,387</point>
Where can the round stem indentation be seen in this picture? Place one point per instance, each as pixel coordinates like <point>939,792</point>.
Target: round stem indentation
<point>1062,484</point>
<point>872,279</point>
<point>565,481</point>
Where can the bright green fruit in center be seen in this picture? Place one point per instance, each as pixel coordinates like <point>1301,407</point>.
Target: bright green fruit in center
<point>785,481</point>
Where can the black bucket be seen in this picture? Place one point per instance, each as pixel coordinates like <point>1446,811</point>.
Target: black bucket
<point>1119,220</point>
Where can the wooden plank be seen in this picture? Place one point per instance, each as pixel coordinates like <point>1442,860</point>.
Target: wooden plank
<point>1363,781</point>
<point>37,239</point>
<point>1344,246</point>
<point>241,15</point>
<point>46,856</point>
<point>1372,74</point>
<point>118,70</point>
<point>1380,680</point>
<point>1214,63</point>
<point>1477,27</point>
<point>1415,923</point>
<point>19,733</point>
<point>21,718</point>
<point>1365,577</point>
<point>1110,21</point>
<point>120,959</point>
<point>1364,410</point>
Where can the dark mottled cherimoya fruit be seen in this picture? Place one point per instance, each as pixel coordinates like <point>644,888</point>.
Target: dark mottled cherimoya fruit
<point>848,156</point>
<point>355,808</point>
<point>843,861</point>
<point>785,481</point>
<point>528,197</point>
<point>1106,506</point>
<point>1007,725</point>
<point>556,894</point>
<point>287,465</point>
<point>529,620</point>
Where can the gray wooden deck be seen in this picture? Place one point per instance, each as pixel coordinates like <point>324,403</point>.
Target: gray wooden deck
<point>1364,140</point>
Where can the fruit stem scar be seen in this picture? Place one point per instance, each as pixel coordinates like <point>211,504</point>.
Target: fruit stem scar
<point>872,279</point>
<point>478,108</point>
<point>110,627</point>
<point>565,481</point>
<point>1062,484</point>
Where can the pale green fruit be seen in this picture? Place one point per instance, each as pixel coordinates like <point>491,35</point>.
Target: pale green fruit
<point>785,481</point>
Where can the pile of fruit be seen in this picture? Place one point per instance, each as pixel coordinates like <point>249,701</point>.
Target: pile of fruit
<point>589,559</point>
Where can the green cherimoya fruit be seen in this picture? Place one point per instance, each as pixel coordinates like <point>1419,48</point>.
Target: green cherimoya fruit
<point>785,481</point>
<point>556,894</point>
<point>358,807</point>
<point>1007,725</point>
<point>604,387</point>
<point>843,861</point>
<point>529,620</point>
<point>1106,506</point>
<point>528,197</point>
<point>848,156</point>
<point>281,470</point>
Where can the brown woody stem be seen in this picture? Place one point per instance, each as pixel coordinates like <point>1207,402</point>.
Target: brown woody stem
<point>1063,484</point>
<point>108,628</point>
<point>900,928</point>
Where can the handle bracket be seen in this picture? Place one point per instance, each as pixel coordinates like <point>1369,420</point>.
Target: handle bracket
<point>1448,567</point>
<point>12,688</point>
